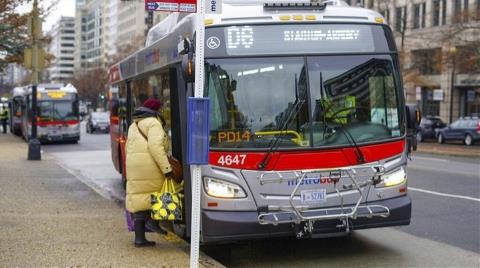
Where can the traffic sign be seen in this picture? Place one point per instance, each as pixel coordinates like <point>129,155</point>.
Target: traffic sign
<point>188,6</point>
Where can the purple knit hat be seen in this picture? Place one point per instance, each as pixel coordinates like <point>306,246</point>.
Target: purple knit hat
<point>152,104</point>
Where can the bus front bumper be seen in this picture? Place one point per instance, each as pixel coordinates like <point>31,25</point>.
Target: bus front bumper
<point>230,226</point>
<point>59,138</point>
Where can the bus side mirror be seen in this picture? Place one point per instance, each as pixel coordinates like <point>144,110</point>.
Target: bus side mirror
<point>188,67</point>
<point>186,49</point>
<point>413,117</point>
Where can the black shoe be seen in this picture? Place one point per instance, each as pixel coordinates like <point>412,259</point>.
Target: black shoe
<point>153,226</point>
<point>144,243</point>
<point>139,227</point>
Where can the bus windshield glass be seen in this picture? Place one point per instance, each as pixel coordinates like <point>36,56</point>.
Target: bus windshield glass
<point>310,101</point>
<point>57,110</point>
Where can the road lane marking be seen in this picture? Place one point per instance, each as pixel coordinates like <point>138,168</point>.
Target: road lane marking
<point>430,158</point>
<point>443,194</point>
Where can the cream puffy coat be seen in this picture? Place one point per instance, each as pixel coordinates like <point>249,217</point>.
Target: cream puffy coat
<point>146,162</point>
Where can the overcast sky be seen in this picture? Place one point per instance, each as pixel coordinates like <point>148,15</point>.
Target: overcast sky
<point>63,8</point>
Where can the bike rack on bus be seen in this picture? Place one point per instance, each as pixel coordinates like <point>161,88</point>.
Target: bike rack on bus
<point>302,213</point>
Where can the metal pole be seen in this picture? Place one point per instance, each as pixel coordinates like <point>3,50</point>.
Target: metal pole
<point>452,86</point>
<point>34,152</point>
<point>196,170</point>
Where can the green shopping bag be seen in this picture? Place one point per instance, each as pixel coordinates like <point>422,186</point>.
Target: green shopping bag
<point>167,204</point>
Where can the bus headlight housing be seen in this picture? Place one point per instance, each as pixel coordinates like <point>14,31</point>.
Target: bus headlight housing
<point>222,189</point>
<point>396,177</point>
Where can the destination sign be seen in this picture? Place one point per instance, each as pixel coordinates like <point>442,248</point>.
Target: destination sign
<point>295,39</point>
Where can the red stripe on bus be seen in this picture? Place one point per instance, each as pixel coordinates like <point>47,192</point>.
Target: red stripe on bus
<point>56,123</point>
<point>323,158</point>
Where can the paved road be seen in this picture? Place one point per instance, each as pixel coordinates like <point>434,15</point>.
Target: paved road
<point>444,230</point>
<point>446,200</point>
<point>88,142</point>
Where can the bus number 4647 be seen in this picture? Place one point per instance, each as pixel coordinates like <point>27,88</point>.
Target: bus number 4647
<point>228,160</point>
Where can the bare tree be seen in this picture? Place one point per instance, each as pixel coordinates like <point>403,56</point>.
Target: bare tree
<point>90,84</point>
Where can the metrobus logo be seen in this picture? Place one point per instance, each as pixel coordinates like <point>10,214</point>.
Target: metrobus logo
<point>311,181</point>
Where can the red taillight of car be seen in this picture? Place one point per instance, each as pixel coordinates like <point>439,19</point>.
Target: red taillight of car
<point>478,127</point>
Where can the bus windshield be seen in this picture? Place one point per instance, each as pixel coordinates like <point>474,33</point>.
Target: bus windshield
<point>311,101</point>
<point>57,110</point>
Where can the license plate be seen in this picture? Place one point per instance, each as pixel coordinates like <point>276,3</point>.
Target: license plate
<point>313,196</point>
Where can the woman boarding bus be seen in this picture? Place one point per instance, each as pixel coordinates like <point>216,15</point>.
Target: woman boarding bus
<point>308,122</point>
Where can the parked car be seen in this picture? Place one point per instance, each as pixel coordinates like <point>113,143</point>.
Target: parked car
<point>465,128</point>
<point>428,127</point>
<point>98,121</point>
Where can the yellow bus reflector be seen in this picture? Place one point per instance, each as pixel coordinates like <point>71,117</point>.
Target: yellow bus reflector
<point>379,20</point>
<point>297,17</point>
<point>208,21</point>
<point>284,17</point>
<point>311,17</point>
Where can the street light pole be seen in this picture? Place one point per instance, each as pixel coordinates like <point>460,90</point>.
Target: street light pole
<point>34,152</point>
<point>453,51</point>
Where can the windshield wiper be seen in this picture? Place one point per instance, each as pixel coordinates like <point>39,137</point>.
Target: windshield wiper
<point>274,143</point>
<point>351,140</point>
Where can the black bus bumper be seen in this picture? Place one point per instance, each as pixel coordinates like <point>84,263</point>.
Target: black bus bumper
<point>231,226</point>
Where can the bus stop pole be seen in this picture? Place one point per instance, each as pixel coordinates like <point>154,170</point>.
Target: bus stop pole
<point>196,170</point>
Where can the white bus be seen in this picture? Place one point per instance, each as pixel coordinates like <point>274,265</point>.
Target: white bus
<point>57,113</point>
<point>308,119</point>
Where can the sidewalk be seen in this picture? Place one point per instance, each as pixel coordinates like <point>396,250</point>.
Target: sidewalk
<point>450,149</point>
<point>49,218</point>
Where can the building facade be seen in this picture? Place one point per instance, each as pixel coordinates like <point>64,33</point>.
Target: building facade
<point>103,27</point>
<point>62,47</point>
<point>439,42</point>
<point>89,34</point>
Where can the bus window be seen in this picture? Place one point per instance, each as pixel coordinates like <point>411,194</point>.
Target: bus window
<point>122,108</point>
<point>141,91</point>
<point>355,94</point>
<point>45,110</point>
<point>65,110</point>
<point>164,96</point>
<point>157,86</point>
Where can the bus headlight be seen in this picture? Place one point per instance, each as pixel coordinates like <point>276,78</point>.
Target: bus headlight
<point>394,178</point>
<point>223,189</point>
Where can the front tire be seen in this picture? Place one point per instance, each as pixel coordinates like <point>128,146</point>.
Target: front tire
<point>440,138</point>
<point>468,140</point>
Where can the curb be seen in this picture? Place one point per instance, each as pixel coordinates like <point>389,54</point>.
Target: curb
<point>448,153</point>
